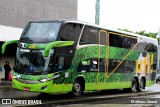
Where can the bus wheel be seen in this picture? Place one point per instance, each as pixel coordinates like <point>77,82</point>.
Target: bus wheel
<point>156,81</point>
<point>77,88</point>
<point>141,85</point>
<point>134,85</point>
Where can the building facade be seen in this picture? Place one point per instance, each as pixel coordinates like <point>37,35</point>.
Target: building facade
<point>17,13</point>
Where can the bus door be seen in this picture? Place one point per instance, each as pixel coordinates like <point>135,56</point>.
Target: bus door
<point>63,57</point>
<point>62,61</point>
<point>103,56</point>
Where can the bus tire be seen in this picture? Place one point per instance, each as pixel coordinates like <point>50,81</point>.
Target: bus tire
<point>77,88</point>
<point>141,85</point>
<point>134,85</point>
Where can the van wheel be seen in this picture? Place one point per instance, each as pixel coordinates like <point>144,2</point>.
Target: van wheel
<point>134,85</point>
<point>77,88</point>
<point>140,85</point>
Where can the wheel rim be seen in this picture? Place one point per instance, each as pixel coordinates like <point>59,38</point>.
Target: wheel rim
<point>77,87</point>
<point>141,85</point>
<point>133,86</point>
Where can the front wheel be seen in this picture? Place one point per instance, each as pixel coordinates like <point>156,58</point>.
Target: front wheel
<point>77,88</point>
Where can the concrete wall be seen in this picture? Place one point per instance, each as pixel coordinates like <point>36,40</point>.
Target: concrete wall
<point>17,13</point>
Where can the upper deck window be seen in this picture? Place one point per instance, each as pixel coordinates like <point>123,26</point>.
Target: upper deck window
<point>71,32</point>
<point>41,32</point>
<point>89,36</point>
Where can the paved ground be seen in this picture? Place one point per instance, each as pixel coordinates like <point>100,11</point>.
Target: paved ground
<point>1,74</point>
<point>5,83</point>
<point>6,91</point>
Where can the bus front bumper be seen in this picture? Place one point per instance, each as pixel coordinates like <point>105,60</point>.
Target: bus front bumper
<point>44,87</point>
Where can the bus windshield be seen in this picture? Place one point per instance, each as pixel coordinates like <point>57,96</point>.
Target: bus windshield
<point>33,61</point>
<point>41,32</point>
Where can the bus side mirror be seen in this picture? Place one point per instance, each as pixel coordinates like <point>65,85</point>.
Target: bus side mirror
<point>56,44</point>
<point>7,43</point>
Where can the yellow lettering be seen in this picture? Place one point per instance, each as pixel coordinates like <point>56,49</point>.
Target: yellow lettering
<point>138,66</point>
<point>147,64</point>
<point>144,64</point>
<point>151,63</point>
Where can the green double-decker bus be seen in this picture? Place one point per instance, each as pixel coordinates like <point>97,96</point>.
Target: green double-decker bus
<point>73,56</point>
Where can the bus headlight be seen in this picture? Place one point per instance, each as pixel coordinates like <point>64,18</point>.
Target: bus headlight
<point>43,80</point>
<point>14,76</point>
<point>46,79</point>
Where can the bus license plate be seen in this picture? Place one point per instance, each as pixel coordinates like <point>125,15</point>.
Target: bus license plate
<point>26,89</point>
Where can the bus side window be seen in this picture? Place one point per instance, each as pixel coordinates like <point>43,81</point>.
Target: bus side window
<point>71,31</point>
<point>59,63</point>
<point>129,43</point>
<point>153,66</point>
<point>89,36</point>
<point>83,66</point>
<point>103,38</point>
<point>88,65</point>
<point>150,47</point>
<point>121,41</point>
<point>94,65</point>
<point>116,40</point>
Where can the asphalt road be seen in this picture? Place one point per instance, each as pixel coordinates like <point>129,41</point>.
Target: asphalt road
<point>139,101</point>
<point>89,99</point>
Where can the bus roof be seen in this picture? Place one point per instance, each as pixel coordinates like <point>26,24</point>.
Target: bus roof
<point>94,25</point>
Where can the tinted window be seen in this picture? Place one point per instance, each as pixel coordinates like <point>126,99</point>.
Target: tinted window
<point>129,42</point>
<point>122,41</point>
<point>151,47</point>
<point>91,65</point>
<point>71,31</point>
<point>89,36</point>
<point>116,40</point>
<point>103,38</point>
<point>123,67</point>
